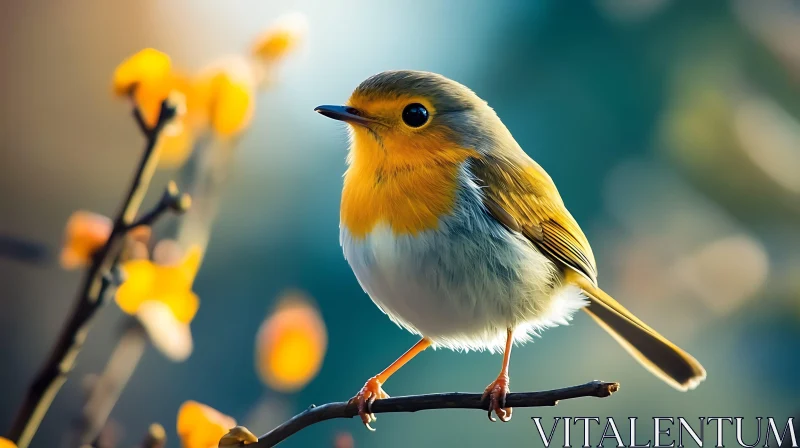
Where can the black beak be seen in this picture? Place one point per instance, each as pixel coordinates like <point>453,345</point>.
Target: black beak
<point>345,113</point>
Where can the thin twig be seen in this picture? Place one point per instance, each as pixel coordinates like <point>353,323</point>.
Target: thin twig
<point>414,403</point>
<point>156,437</point>
<point>109,386</point>
<point>172,200</point>
<point>54,372</point>
<point>140,122</point>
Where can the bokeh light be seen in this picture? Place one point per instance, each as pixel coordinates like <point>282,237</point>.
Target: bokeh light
<point>85,233</point>
<point>291,344</point>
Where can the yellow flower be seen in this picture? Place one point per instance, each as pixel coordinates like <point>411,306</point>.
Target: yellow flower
<point>220,99</point>
<point>85,233</point>
<point>5,443</point>
<point>228,88</point>
<point>200,426</point>
<point>291,345</point>
<point>233,105</point>
<point>149,96</point>
<point>148,77</point>
<point>170,336</point>
<point>170,284</point>
<point>146,66</point>
<point>281,38</point>
<point>176,141</point>
<point>175,144</point>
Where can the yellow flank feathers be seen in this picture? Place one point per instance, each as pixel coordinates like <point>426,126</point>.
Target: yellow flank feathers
<point>407,183</point>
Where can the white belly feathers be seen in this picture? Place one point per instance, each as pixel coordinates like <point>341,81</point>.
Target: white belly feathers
<point>462,284</point>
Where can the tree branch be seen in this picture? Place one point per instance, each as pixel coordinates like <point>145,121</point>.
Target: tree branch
<point>115,377</point>
<point>414,403</point>
<point>172,199</point>
<point>90,296</point>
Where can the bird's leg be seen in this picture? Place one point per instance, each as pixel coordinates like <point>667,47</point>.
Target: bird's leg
<point>498,389</point>
<point>372,388</point>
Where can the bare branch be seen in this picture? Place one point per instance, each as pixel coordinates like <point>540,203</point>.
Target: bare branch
<point>93,290</point>
<point>414,403</point>
<point>172,200</point>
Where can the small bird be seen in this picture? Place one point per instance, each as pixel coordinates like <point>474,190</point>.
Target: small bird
<point>461,238</point>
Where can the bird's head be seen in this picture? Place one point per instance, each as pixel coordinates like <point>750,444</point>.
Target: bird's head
<point>417,117</point>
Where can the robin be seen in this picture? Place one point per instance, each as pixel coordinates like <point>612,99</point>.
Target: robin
<point>461,238</point>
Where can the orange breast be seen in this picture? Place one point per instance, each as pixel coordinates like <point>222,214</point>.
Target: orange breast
<point>407,187</point>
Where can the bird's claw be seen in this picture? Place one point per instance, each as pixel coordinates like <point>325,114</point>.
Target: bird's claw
<point>371,391</point>
<point>497,392</point>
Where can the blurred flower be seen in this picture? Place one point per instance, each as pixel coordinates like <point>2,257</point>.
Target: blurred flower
<point>170,336</point>
<point>238,436</point>
<point>176,142</point>
<point>281,38</point>
<point>146,77</point>
<point>291,344</point>
<point>159,293</point>
<point>200,426</point>
<point>168,284</point>
<point>343,440</point>
<point>231,86</point>
<point>146,66</point>
<point>220,98</point>
<point>5,443</point>
<point>86,232</point>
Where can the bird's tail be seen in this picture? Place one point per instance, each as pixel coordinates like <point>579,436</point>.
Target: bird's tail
<point>660,356</point>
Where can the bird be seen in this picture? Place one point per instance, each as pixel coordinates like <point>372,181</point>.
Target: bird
<point>461,238</point>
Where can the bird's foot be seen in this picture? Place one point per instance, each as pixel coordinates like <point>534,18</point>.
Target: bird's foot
<point>496,392</point>
<point>365,397</point>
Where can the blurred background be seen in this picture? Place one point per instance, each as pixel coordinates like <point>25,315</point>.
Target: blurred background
<point>672,129</point>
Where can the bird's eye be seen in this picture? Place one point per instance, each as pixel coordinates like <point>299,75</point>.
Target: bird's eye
<point>415,115</point>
